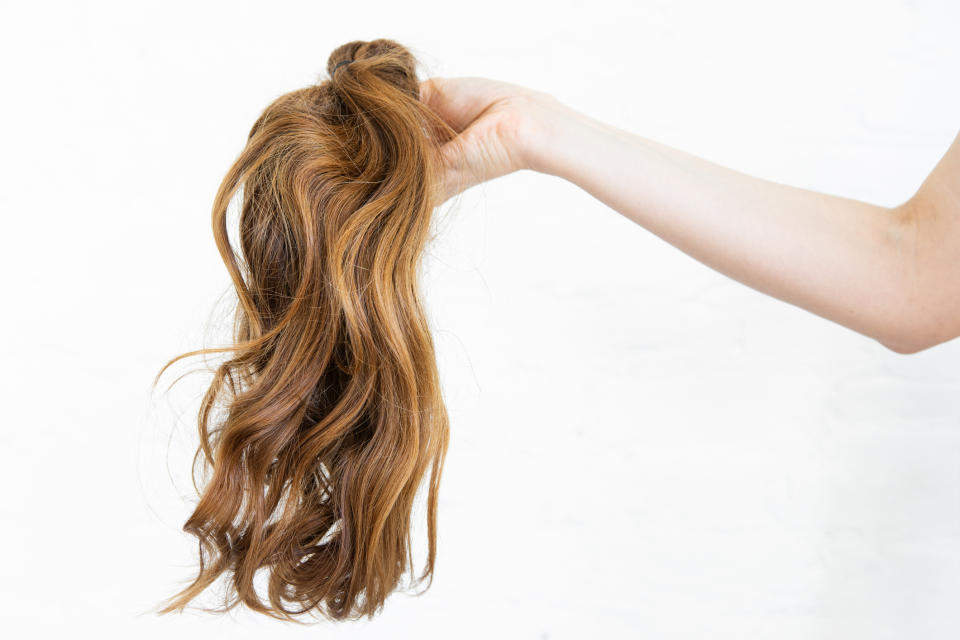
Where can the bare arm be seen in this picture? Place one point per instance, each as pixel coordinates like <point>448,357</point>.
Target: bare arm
<point>892,274</point>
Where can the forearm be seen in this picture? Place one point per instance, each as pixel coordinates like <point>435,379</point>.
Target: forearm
<point>845,260</point>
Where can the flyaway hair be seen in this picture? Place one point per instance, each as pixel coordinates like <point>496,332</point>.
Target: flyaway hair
<point>321,425</point>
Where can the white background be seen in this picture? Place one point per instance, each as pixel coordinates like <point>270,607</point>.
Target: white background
<point>641,447</point>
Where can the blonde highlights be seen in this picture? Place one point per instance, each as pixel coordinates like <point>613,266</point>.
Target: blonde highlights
<point>332,412</point>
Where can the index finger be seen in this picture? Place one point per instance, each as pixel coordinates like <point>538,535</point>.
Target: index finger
<point>457,100</point>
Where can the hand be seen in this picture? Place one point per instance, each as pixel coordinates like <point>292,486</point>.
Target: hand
<point>498,124</point>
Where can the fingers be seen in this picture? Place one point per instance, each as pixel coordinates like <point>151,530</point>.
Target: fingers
<point>457,177</point>
<point>460,171</point>
<point>477,153</point>
<point>457,100</point>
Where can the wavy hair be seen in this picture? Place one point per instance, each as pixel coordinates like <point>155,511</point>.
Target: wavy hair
<point>332,410</point>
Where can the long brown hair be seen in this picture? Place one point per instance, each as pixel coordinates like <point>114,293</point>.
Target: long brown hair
<point>331,404</point>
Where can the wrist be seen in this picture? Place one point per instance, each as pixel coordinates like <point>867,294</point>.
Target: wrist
<point>557,138</point>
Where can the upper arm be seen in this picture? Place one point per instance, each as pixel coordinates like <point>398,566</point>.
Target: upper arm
<point>931,304</point>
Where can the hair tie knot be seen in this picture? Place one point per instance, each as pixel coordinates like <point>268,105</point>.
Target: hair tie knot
<point>338,65</point>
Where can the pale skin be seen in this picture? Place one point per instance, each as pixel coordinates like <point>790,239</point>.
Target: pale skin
<point>889,273</point>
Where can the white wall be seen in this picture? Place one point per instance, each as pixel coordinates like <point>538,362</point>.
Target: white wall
<point>641,447</point>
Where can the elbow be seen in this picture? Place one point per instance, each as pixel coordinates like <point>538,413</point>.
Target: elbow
<point>920,317</point>
<point>918,334</point>
<point>907,347</point>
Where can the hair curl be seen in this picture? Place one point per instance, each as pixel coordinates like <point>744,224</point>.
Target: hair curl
<point>333,408</point>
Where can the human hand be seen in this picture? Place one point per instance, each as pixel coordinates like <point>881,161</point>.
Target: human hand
<point>499,125</point>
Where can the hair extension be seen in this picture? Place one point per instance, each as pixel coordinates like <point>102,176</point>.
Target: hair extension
<point>332,411</point>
